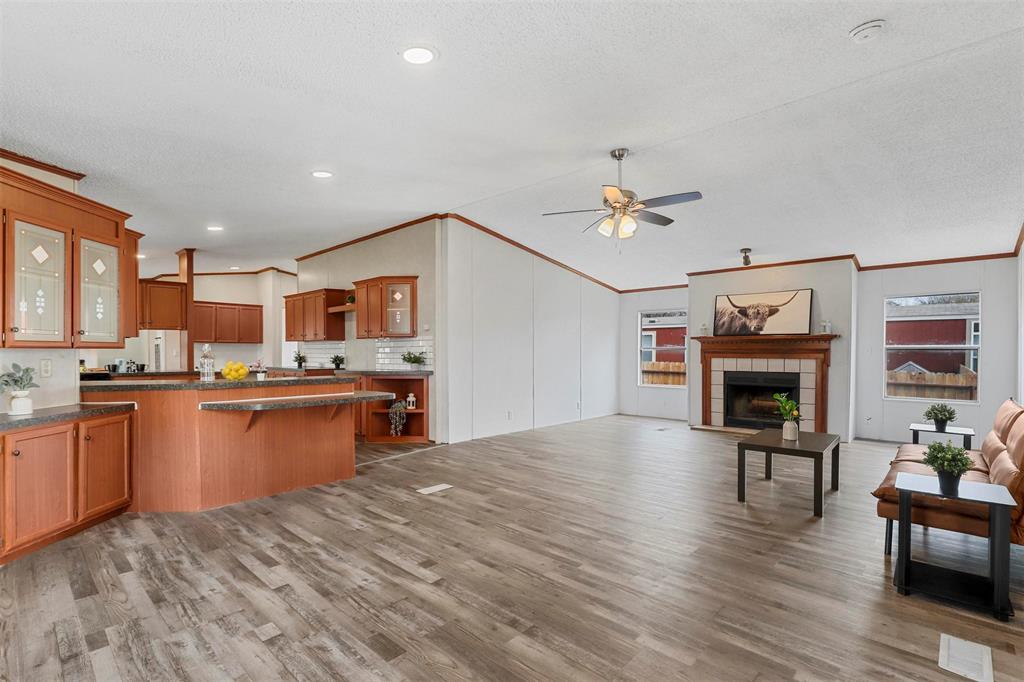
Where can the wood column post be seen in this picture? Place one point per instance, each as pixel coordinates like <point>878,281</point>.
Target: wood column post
<point>186,274</point>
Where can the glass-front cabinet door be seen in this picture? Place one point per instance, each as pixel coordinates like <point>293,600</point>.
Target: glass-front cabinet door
<point>39,289</point>
<point>97,300</point>
<point>399,308</point>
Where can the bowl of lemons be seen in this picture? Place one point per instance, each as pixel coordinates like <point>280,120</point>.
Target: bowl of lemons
<point>235,371</point>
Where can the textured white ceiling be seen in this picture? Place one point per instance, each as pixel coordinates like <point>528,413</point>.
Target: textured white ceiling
<point>803,143</point>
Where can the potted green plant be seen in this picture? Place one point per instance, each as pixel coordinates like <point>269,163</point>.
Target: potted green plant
<point>941,414</point>
<point>299,359</point>
<point>18,381</point>
<point>790,414</point>
<point>397,417</point>
<point>337,361</point>
<point>949,463</point>
<point>414,358</point>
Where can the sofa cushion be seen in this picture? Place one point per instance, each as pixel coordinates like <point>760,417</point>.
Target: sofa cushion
<point>915,453</point>
<point>1007,465</point>
<point>887,490</point>
<point>1006,417</point>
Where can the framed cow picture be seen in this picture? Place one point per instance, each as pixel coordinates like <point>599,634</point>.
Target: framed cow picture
<point>765,314</point>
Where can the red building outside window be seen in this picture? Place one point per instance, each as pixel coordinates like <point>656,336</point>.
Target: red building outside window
<point>663,348</point>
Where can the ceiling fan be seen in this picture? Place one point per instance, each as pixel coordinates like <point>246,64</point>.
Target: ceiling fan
<point>622,209</point>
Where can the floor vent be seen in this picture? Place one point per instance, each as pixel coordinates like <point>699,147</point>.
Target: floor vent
<point>433,489</point>
<point>967,659</point>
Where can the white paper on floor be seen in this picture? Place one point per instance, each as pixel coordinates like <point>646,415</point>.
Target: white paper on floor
<point>433,489</point>
<point>968,659</point>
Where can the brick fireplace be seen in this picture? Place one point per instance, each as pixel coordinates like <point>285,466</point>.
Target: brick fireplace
<point>739,373</point>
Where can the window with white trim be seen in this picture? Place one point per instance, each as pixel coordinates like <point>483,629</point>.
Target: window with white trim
<point>932,344</point>
<point>662,348</point>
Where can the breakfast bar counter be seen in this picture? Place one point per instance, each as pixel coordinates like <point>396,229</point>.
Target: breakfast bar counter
<point>200,445</point>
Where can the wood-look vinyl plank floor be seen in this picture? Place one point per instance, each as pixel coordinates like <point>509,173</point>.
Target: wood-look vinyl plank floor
<point>611,549</point>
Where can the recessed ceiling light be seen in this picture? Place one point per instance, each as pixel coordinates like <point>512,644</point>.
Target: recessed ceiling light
<point>867,31</point>
<point>140,256</point>
<point>322,174</point>
<point>234,267</point>
<point>215,228</point>
<point>419,55</point>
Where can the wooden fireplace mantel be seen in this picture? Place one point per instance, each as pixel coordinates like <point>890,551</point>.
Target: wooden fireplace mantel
<point>815,347</point>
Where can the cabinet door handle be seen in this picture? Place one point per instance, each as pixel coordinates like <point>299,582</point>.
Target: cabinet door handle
<point>88,437</point>
<point>15,329</point>
<point>81,332</point>
<point>16,453</point>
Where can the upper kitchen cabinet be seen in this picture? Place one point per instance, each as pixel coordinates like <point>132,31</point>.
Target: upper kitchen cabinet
<point>227,323</point>
<point>64,259</point>
<point>386,307</point>
<point>130,284</point>
<point>162,305</point>
<point>307,318</point>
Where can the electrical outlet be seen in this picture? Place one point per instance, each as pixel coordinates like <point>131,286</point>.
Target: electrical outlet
<point>508,415</point>
<point>46,368</point>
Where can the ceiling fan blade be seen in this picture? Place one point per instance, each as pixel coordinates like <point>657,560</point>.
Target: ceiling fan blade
<point>592,224</point>
<point>670,199</point>
<point>656,218</point>
<point>588,210</point>
<point>613,195</point>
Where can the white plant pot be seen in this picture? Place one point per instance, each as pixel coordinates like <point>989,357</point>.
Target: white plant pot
<point>20,403</point>
<point>261,376</point>
<point>790,431</point>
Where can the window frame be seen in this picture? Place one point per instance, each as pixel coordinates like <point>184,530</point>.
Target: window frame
<point>967,347</point>
<point>640,349</point>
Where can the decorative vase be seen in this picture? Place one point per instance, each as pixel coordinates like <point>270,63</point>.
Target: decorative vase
<point>949,485</point>
<point>298,365</point>
<point>20,403</point>
<point>337,365</point>
<point>790,430</point>
<point>940,425</point>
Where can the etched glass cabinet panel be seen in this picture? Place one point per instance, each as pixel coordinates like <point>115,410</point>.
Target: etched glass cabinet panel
<point>398,301</point>
<point>99,284</point>
<point>39,284</point>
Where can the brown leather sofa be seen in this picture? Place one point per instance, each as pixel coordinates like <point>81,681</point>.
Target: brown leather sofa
<point>1000,460</point>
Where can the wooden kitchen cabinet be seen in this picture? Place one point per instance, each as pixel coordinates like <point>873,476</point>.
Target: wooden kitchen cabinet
<point>307,317</point>
<point>226,322</point>
<point>130,284</point>
<point>39,484</point>
<point>162,304</point>
<point>386,307</point>
<point>65,260</point>
<point>104,447</point>
<point>59,479</point>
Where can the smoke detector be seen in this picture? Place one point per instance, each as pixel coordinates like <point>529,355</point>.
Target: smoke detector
<point>867,31</point>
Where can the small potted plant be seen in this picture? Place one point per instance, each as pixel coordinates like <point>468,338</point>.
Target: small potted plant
<point>337,361</point>
<point>18,381</point>
<point>299,359</point>
<point>790,414</point>
<point>414,358</point>
<point>259,369</point>
<point>397,417</point>
<point>941,414</point>
<point>949,463</point>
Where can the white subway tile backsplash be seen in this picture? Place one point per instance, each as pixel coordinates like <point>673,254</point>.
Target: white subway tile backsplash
<point>390,352</point>
<point>319,353</point>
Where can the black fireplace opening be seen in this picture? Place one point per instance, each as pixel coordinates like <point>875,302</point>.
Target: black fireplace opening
<point>748,397</point>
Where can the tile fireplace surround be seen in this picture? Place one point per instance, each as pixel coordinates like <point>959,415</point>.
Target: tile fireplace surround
<point>806,355</point>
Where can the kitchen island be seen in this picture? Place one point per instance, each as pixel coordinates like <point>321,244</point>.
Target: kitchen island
<point>200,445</point>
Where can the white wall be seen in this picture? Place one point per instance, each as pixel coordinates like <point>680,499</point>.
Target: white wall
<point>669,402</point>
<point>997,280</point>
<point>835,293</point>
<point>522,343</point>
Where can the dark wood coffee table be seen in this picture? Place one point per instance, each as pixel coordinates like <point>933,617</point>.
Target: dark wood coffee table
<point>809,444</point>
<point>988,592</point>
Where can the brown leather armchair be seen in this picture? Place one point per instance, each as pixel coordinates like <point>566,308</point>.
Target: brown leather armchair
<point>1000,460</point>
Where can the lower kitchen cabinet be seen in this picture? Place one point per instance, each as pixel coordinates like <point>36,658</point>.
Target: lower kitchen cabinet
<point>58,479</point>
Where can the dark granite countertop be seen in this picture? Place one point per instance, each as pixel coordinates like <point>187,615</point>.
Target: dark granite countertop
<point>295,402</point>
<point>62,413</point>
<point>186,385</point>
<point>154,374</point>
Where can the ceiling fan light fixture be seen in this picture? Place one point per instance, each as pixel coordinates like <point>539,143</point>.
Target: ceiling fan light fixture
<point>627,227</point>
<point>607,226</point>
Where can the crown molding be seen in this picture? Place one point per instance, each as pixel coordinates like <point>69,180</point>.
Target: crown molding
<point>41,165</point>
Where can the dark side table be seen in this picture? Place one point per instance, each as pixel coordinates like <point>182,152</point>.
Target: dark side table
<point>979,591</point>
<point>809,444</point>
<point>966,432</point>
